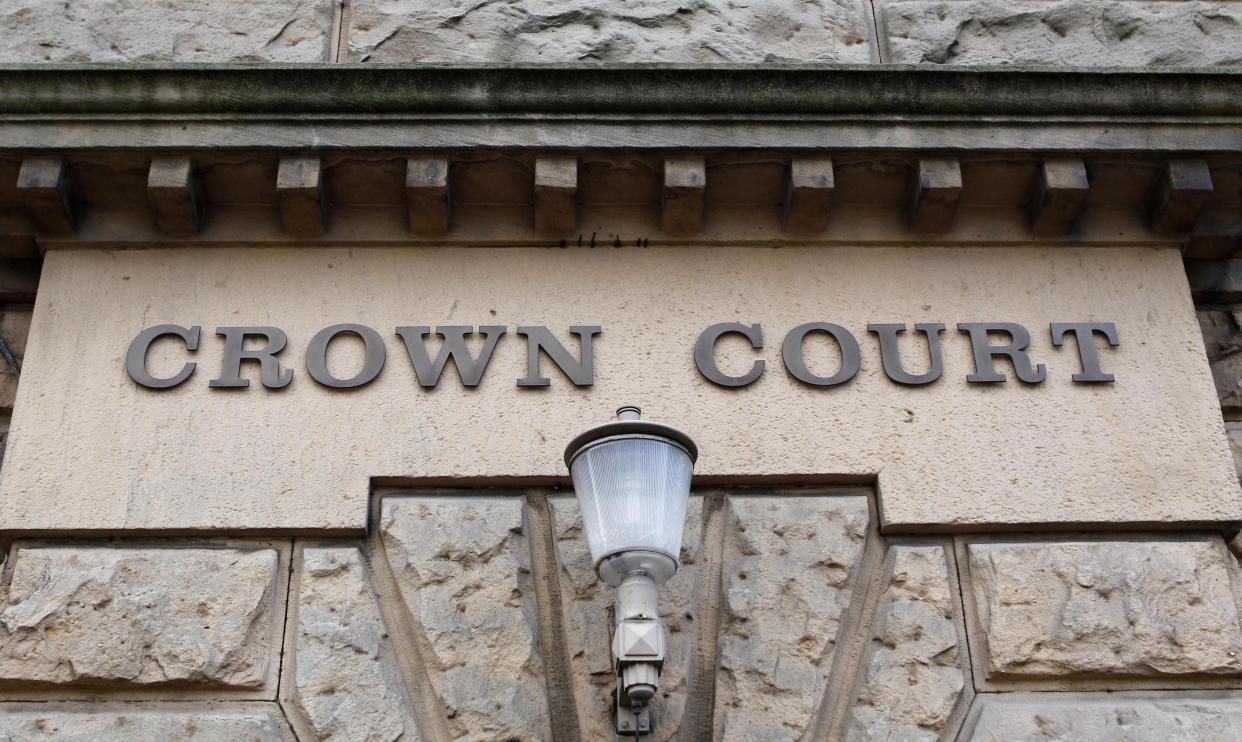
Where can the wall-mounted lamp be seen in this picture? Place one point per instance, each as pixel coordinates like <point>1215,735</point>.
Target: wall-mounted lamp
<point>632,478</point>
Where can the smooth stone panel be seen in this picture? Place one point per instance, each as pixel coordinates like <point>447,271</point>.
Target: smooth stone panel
<point>345,681</point>
<point>1157,717</point>
<point>913,676</point>
<point>184,31</point>
<point>1112,608</point>
<point>143,722</point>
<point>140,617</point>
<point>789,566</point>
<point>1076,33</point>
<point>709,31</point>
<point>1149,449</point>
<point>463,568</point>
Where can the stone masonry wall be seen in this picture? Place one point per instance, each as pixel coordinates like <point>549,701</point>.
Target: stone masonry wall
<point>1087,33</point>
<point>475,615</point>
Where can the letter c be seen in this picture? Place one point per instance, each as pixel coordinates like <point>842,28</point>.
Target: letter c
<point>136,357</point>
<point>705,353</point>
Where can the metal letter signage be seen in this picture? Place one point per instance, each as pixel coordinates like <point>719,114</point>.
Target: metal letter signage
<point>986,345</point>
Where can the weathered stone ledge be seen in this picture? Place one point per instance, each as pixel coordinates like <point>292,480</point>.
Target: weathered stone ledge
<point>769,89</point>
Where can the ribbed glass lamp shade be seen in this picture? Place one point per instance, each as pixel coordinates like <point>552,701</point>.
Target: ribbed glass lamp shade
<point>632,492</point>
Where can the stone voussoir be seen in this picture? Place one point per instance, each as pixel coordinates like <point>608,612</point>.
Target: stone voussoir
<point>141,620</point>
<point>789,568</point>
<point>462,565</point>
<point>914,675</point>
<point>340,678</point>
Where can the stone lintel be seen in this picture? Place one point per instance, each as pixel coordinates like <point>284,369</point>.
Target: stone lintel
<point>808,195</point>
<point>176,196</point>
<point>1183,189</point>
<point>300,194</point>
<point>934,193</point>
<point>685,188</point>
<point>1059,196</point>
<point>427,195</point>
<point>556,193</point>
<point>48,195</point>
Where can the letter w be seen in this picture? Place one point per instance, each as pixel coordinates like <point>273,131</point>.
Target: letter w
<point>469,368</point>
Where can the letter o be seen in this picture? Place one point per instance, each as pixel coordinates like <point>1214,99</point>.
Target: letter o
<point>317,356</point>
<point>795,364</point>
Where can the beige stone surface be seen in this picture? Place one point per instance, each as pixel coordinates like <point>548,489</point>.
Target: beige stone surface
<point>463,567</point>
<point>140,617</point>
<point>588,612</point>
<point>913,675</point>
<point>1166,717</point>
<point>1148,449</point>
<point>1081,33</point>
<point>181,31</point>
<point>789,566</point>
<point>106,722</point>
<point>705,31</point>
<point>1107,608</point>
<point>345,683</point>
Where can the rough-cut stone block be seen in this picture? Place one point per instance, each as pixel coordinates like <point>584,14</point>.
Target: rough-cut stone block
<point>608,31</point>
<point>14,327</point>
<point>1123,717</point>
<point>140,617</point>
<point>463,567</point>
<point>143,722</point>
<point>1104,608</point>
<point>1080,33</point>
<point>789,566</point>
<point>141,31</point>
<point>588,611</point>
<point>913,676</point>
<point>345,683</point>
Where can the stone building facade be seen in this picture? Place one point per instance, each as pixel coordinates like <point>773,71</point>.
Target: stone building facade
<point>970,420</point>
